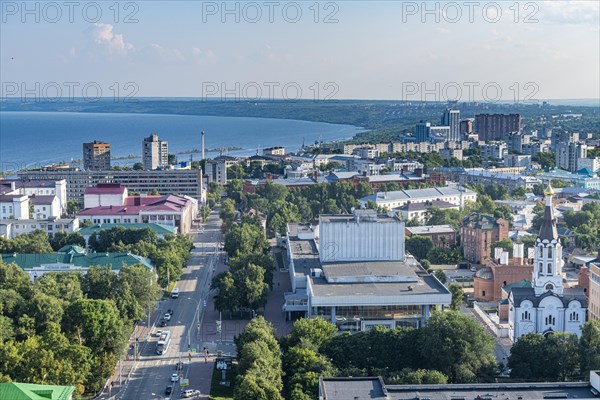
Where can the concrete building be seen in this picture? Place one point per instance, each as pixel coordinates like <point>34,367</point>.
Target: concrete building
<point>516,141</point>
<point>451,118</point>
<point>96,156</point>
<point>183,182</point>
<point>422,131</point>
<point>155,152</point>
<point>496,126</point>
<point>216,169</point>
<point>442,235</point>
<point>582,179</point>
<point>72,258</point>
<point>517,160</point>
<point>30,188</point>
<point>104,194</point>
<point>478,232</point>
<point>592,164</point>
<point>560,139</point>
<point>494,177</point>
<point>14,206</point>
<point>374,388</point>
<point>274,151</point>
<point>439,133</point>
<point>451,153</point>
<point>45,207</point>
<point>567,156</point>
<point>391,200</point>
<point>594,292</point>
<point>547,306</point>
<point>420,211</point>
<point>11,228</point>
<point>466,127</point>
<point>352,270</point>
<point>493,150</point>
<point>172,210</point>
<point>366,152</point>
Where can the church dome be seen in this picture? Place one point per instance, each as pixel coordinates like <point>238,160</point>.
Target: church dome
<point>485,273</point>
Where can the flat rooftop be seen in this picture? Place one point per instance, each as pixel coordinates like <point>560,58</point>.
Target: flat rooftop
<point>430,229</point>
<point>373,388</point>
<point>395,269</point>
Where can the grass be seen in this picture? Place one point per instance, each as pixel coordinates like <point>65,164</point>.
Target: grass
<point>219,392</point>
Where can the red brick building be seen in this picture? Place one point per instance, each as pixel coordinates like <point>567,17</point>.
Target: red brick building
<point>478,232</point>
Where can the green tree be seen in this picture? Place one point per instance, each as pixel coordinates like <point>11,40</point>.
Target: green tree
<point>506,244</point>
<point>457,296</point>
<point>519,193</point>
<point>314,330</point>
<point>227,298</point>
<point>72,207</point>
<point>590,346</point>
<point>61,239</point>
<point>441,276</point>
<point>138,166</point>
<point>418,246</point>
<point>546,160</point>
<point>457,346</point>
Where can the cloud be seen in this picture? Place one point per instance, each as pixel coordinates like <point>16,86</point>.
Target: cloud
<point>570,12</point>
<point>204,56</point>
<point>102,35</point>
<point>165,54</point>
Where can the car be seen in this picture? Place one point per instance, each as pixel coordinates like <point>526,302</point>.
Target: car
<point>158,332</point>
<point>191,393</point>
<point>163,323</point>
<point>174,377</point>
<point>473,269</point>
<point>175,293</point>
<point>169,389</point>
<point>169,311</point>
<point>167,317</point>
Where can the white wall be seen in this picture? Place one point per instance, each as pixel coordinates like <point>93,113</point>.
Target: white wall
<point>362,241</point>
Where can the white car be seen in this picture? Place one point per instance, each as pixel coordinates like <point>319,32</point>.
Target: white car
<point>191,393</point>
<point>174,377</point>
<point>167,317</point>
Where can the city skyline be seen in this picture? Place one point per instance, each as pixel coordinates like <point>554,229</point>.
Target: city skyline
<point>326,50</point>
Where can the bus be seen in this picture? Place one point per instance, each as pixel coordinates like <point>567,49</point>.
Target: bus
<point>163,342</point>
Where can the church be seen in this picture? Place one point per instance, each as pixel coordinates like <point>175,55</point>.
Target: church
<point>547,306</point>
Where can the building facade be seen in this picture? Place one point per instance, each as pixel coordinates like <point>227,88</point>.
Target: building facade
<point>182,182</point>
<point>478,232</point>
<point>496,126</point>
<point>96,156</point>
<point>547,306</point>
<point>155,152</point>
<point>567,156</point>
<point>443,236</point>
<point>594,292</point>
<point>451,118</point>
<point>391,200</point>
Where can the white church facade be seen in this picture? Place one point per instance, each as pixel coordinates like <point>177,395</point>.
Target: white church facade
<point>547,306</point>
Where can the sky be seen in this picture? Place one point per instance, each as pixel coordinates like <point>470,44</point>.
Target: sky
<point>387,50</point>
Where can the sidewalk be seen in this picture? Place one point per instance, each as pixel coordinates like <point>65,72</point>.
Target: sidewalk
<point>121,376</point>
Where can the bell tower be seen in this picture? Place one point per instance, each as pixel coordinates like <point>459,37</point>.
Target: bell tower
<point>547,266</point>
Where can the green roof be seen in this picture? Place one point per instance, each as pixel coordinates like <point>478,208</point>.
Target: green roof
<point>71,248</point>
<point>28,391</point>
<point>520,284</point>
<point>115,260</point>
<point>160,229</point>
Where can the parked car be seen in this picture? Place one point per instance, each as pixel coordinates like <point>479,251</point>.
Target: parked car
<point>157,333</point>
<point>170,312</point>
<point>167,317</point>
<point>163,323</point>
<point>174,377</point>
<point>169,389</point>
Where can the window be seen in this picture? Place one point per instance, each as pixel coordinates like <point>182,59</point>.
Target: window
<point>549,286</point>
<point>549,268</point>
<point>483,293</point>
<point>550,320</point>
<point>526,316</point>
<point>574,316</point>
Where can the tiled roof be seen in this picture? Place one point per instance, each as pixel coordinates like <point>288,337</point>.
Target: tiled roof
<point>105,188</point>
<point>135,204</point>
<point>38,200</point>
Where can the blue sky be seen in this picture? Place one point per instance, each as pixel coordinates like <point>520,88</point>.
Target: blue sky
<point>375,50</point>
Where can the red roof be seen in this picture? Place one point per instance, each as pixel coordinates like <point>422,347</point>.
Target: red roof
<point>136,204</point>
<point>105,188</point>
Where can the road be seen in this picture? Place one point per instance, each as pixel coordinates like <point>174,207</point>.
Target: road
<point>151,374</point>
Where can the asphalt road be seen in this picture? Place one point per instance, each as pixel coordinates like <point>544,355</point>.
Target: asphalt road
<point>153,372</point>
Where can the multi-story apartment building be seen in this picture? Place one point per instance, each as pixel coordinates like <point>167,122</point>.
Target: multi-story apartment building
<point>594,292</point>
<point>274,151</point>
<point>155,152</point>
<point>466,127</point>
<point>422,131</point>
<point>391,200</point>
<point>494,150</point>
<point>568,155</point>
<point>592,164</point>
<point>478,232</point>
<point>451,118</point>
<point>96,156</point>
<point>14,206</point>
<point>442,235</point>
<point>182,182</point>
<point>496,126</point>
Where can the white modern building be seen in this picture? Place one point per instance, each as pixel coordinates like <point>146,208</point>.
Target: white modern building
<point>155,152</point>
<point>547,306</point>
<point>11,228</point>
<point>390,200</point>
<point>352,270</point>
<point>14,206</point>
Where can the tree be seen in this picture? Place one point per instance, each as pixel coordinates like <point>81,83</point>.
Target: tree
<point>506,244</point>
<point>519,192</point>
<point>138,166</point>
<point>590,346</point>
<point>314,330</point>
<point>72,207</point>
<point>172,159</point>
<point>458,347</point>
<point>227,298</point>
<point>418,246</point>
<point>61,239</point>
<point>457,296</point>
<point>441,276</point>
<point>546,160</point>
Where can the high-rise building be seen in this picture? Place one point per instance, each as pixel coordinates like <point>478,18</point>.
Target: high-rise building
<point>568,155</point>
<point>96,156</point>
<point>451,118</point>
<point>155,152</point>
<point>496,126</point>
<point>422,131</point>
<point>466,127</point>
